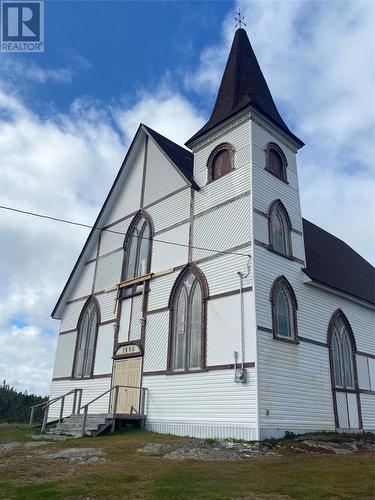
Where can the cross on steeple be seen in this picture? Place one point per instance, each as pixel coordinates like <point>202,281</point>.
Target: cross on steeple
<point>239,19</point>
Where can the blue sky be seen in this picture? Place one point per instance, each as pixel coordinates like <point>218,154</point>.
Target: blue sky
<point>68,115</point>
<point>116,48</point>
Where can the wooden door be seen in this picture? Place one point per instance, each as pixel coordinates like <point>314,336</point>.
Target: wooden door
<point>127,372</point>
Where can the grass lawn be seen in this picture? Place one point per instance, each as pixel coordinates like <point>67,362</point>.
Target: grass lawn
<point>128,474</point>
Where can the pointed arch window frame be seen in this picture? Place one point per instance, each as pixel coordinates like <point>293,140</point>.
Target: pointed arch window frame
<point>340,315</point>
<point>132,290</point>
<point>281,283</point>
<point>224,146</point>
<point>272,146</point>
<point>91,300</point>
<point>181,278</point>
<point>278,208</point>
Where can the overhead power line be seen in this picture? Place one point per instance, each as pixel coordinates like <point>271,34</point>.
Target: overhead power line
<point>88,226</point>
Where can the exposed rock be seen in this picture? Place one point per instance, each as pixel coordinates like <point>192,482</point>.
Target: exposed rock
<point>8,446</point>
<point>155,449</point>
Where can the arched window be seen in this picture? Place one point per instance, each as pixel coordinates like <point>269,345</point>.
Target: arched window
<point>276,161</point>
<point>220,161</point>
<point>342,353</point>
<point>279,228</point>
<point>187,321</point>
<point>137,258</point>
<point>86,339</point>
<point>284,310</point>
<point>344,379</point>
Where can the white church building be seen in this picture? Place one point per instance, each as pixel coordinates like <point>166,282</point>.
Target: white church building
<point>203,294</point>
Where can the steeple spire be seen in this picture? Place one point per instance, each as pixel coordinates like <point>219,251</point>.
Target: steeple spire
<point>243,84</point>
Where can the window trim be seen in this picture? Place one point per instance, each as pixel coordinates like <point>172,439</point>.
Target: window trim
<point>80,319</point>
<point>339,314</point>
<point>282,282</point>
<point>200,277</point>
<point>223,146</point>
<point>141,214</point>
<point>278,206</point>
<point>275,147</point>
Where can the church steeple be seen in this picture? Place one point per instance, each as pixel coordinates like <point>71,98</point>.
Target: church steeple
<point>243,84</point>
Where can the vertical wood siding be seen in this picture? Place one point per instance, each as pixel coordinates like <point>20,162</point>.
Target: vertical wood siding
<point>135,329</point>
<point>104,350</point>
<point>126,307</point>
<point>156,342</point>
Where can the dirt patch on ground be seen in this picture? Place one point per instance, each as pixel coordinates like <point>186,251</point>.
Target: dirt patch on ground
<point>207,449</point>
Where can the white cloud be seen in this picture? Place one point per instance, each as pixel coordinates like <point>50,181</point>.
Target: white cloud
<point>61,166</point>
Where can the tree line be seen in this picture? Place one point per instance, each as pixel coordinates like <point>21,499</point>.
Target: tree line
<point>15,406</point>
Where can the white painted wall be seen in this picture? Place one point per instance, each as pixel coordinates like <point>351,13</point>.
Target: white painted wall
<point>161,177</point>
<point>104,350</point>
<point>65,355</point>
<point>207,404</point>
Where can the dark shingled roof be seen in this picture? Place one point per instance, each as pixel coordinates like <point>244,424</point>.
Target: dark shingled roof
<point>332,262</point>
<point>243,84</point>
<point>181,157</point>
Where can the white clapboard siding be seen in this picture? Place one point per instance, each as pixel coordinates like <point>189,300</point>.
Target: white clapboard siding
<point>223,228</point>
<point>108,271</point>
<point>229,186</point>
<point>238,137</point>
<point>91,389</point>
<point>162,178</point>
<point>160,290</point>
<point>129,197</point>
<point>298,246</point>
<point>71,315</point>
<point>83,286</point>
<point>113,238</point>
<point>64,355</point>
<point>165,255</point>
<point>315,306</point>
<point>267,188</point>
<point>368,411</point>
<point>107,305</point>
<point>222,272</point>
<point>294,385</point>
<point>156,342</point>
<point>260,138</point>
<point>170,211</point>
<point>224,330</point>
<point>206,404</point>
<point>104,349</point>
<point>260,230</point>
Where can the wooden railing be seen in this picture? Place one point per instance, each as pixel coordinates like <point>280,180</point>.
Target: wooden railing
<point>114,391</point>
<point>76,407</point>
